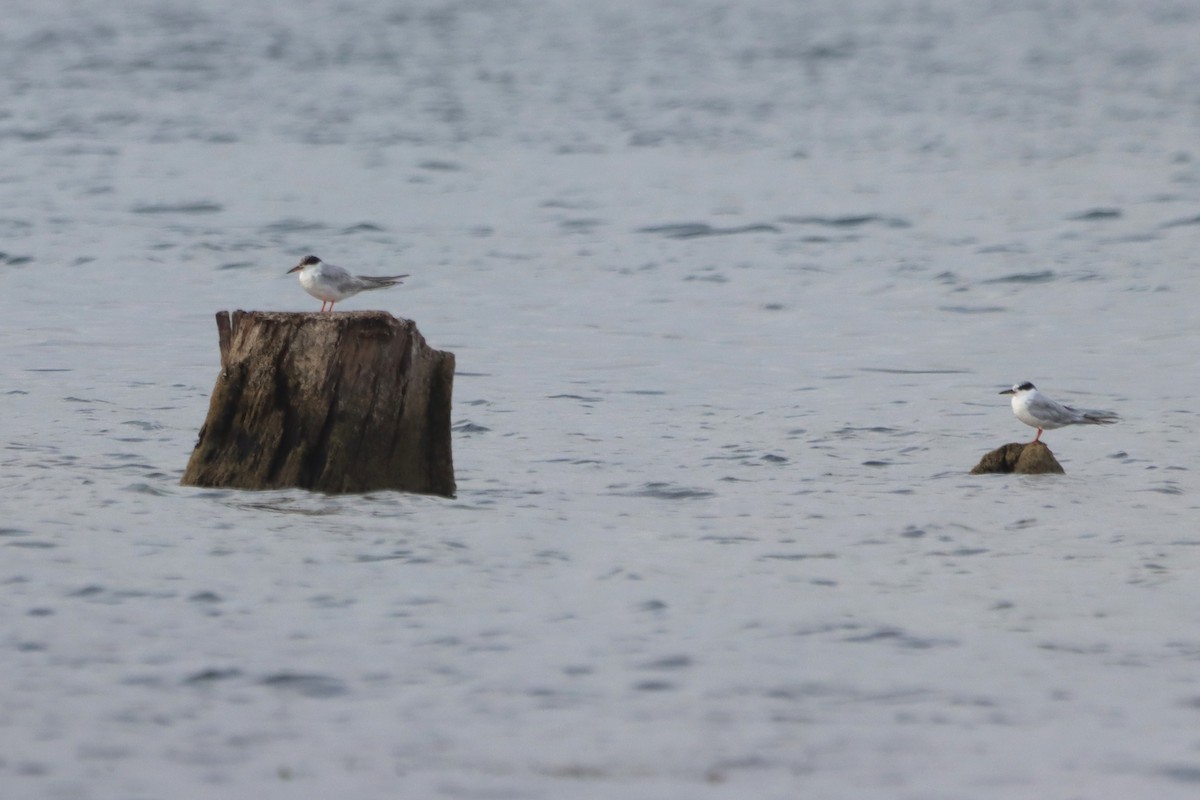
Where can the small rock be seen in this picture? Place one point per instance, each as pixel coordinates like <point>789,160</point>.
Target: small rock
<point>1030,458</point>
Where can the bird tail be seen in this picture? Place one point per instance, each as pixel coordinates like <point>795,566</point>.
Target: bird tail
<point>382,282</point>
<point>1100,417</point>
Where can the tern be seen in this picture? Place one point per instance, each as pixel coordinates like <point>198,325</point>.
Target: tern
<point>1038,411</point>
<point>331,284</point>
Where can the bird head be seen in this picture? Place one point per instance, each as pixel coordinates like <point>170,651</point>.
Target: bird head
<point>1020,388</point>
<point>307,261</point>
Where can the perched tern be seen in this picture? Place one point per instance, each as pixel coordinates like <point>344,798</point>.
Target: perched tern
<point>1038,411</point>
<point>331,284</point>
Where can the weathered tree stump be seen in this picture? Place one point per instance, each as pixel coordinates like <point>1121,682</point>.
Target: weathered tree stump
<point>347,402</point>
<point>1030,458</point>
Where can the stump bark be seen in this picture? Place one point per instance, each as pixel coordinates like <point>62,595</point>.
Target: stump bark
<point>345,402</point>
<point>1030,458</point>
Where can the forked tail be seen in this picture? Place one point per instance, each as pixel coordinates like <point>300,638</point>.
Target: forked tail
<point>382,282</point>
<point>1100,417</point>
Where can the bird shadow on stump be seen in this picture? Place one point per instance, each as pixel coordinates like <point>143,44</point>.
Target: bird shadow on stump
<point>1029,458</point>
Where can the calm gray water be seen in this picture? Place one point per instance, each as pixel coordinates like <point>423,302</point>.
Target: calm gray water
<point>732,289</point>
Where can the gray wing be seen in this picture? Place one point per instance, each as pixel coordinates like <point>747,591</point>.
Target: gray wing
<point>1052,412</point>
<point>342,281</point>
<point>1082,416</point>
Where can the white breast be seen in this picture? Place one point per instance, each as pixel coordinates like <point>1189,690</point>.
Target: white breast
<point>314,283</point>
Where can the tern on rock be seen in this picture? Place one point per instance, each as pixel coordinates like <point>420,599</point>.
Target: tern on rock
<point>1038,411</point>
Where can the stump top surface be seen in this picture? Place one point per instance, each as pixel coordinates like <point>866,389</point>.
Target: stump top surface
<point>333,322</point>
<point>311,316</point>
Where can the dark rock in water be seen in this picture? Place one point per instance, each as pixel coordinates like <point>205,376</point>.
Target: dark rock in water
<point>1030,458</point>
